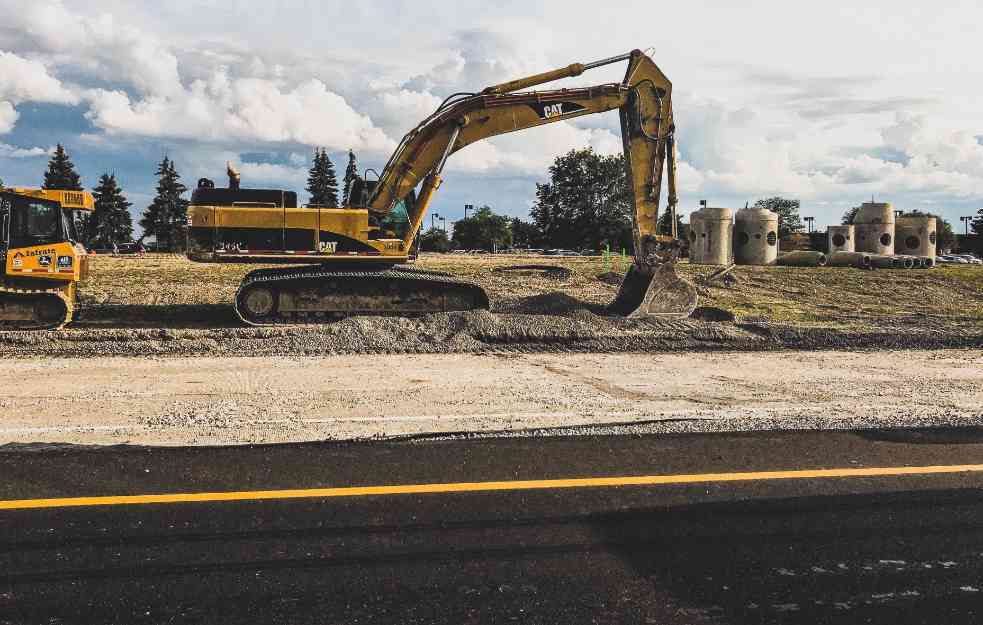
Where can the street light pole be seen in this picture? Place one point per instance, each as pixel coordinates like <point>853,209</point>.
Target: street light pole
<point>966,219</point>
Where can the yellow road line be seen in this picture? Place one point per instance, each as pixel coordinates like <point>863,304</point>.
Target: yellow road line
<point>477,487</point>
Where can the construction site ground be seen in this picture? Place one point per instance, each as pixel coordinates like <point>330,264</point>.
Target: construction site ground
<point>159,305</point>
<point>159,357</point>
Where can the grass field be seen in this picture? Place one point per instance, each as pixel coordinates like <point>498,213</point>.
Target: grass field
<point>795,294</point>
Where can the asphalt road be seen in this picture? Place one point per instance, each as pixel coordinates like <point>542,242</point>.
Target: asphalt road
<point>698,544</point>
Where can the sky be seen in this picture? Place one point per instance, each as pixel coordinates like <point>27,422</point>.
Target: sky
<point>831,103</point>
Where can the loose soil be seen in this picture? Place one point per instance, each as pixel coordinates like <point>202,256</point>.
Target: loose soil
<point>167,305</point>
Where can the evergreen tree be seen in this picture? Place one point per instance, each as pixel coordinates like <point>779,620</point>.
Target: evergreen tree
<point>351,172</point>
<point>167,215</point>
<point>322,183</point>
<point>61,175</point>
<point>110,222</point>
<point>61,172</point>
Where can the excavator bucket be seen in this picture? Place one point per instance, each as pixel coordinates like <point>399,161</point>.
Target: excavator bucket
<point>654,292</point>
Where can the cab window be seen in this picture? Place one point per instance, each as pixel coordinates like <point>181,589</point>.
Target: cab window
<point>35,222</point>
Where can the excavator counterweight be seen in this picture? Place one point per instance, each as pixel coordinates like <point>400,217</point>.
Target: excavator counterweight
<point>359,248</point>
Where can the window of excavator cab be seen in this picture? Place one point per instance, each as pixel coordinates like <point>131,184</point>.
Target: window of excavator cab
<point>36,222</point>
<point>398,219</point>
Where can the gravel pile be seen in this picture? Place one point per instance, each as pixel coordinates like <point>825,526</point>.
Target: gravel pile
<point>568,328</point>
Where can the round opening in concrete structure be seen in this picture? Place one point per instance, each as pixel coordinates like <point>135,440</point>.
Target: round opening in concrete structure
<point>757,235</point>
<point>932,238</point>
<point>692,236</point>
<point>703,236</point>
<point>839,240</point>
<point>743,238</point>
<point>772,238</point>
<point>886,239</point>
<point>912,242</point>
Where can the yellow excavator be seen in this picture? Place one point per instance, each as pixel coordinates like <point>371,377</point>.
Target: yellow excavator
<point>353,258</point>
<point>42,262</point>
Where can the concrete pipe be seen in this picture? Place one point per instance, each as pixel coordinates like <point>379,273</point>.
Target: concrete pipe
<point>803,259</point>
<point>696,229</point>
<point>840,239</point>
<point>882,261</point>
<point>928,262</point>
<point>874,226</point>
<point>755,237</point>
<point>712,230</point>
<point>907,262</point>
<point>848,259</point>
<point>916,235</point>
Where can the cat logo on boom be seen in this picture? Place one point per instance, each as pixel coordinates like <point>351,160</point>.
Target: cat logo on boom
<point>555,109</point>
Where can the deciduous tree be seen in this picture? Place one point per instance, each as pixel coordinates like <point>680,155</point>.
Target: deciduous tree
<point>788,214</point>
<point>484,230</point>
<point>586,203</point>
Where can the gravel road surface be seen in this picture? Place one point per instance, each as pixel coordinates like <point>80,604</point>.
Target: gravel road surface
<point>208,400</point>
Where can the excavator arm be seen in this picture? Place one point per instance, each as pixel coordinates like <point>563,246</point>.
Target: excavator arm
<point>644,100</point>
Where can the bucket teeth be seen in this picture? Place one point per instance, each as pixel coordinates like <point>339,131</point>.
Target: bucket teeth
<point>654,292</point>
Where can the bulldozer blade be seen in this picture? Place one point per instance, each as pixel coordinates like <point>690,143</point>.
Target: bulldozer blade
<point>656,292</point>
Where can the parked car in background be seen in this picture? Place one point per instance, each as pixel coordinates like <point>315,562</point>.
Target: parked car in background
<point>952,259</point>
<point>130,248</point>
<point>969,258</point>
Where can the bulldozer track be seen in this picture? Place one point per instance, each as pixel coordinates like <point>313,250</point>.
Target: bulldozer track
<point>384,290</point>
<point>13,297</point>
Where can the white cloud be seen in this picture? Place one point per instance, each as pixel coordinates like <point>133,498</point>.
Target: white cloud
<point>12,151</point>
<point>25,80</point>
<point>240,109</point>
<point>98,43</point>
<point>8,117</point>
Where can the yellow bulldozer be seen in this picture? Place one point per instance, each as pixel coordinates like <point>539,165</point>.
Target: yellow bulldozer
<point>42,261</point>
<point>352,260</point>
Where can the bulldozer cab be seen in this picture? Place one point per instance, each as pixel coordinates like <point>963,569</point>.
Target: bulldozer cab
<point>29,222</point>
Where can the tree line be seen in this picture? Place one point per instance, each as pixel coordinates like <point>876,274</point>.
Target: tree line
<point>165,218</point>
<point>586,204</point>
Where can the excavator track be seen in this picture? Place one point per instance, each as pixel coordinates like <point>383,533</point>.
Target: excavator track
<point>33,309</point>
<point>318,294</point>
